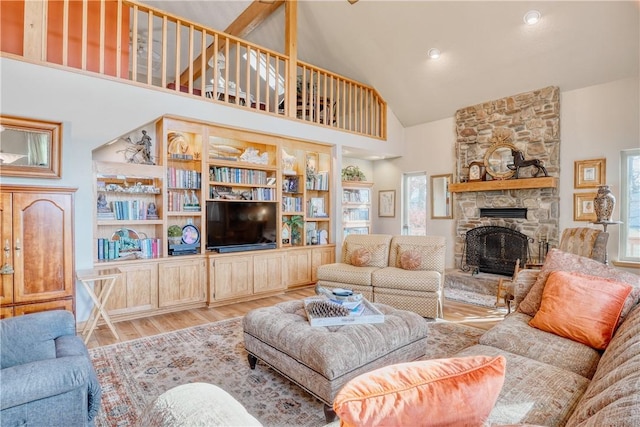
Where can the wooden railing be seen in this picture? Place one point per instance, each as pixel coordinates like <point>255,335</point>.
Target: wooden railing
<point>135,42</point>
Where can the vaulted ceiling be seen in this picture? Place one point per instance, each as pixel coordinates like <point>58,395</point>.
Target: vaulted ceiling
<point>487,50</point>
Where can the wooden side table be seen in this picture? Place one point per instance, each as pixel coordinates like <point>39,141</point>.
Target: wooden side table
<point>91,276</point>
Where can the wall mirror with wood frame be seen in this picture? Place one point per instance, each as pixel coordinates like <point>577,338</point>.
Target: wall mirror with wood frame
<point>30,148</point>
<point>441,197</point>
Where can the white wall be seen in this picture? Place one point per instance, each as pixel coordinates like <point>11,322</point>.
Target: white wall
<point>596,122</point>
<point>96,110</point>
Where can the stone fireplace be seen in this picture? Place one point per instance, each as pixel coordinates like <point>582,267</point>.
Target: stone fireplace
<point>531,121</point>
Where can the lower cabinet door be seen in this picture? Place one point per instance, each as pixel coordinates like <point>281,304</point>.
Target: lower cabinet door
<point>135,291</point>
<point>230,277</point>
<point>181,282</point>
<point>268,273</point>
<point>298,267</point>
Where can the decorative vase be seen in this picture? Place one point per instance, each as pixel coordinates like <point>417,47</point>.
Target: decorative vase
<point>604,203</point>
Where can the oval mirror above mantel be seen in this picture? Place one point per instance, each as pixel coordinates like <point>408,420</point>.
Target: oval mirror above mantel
<point>506,184</point>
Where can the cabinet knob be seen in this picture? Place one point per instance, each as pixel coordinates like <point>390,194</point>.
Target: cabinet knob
<point>17,247</point>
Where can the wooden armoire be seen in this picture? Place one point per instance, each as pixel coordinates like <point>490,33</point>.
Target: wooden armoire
<point>36,249</point>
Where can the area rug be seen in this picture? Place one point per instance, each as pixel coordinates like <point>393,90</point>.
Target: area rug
<point>134,373</point>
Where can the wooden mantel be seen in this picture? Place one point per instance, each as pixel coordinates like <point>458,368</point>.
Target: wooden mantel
<point>507,184</point>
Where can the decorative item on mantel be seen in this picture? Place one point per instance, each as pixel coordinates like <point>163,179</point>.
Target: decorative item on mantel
<point>353,173</point>
<point>520,162</point>
<point>603,204</point>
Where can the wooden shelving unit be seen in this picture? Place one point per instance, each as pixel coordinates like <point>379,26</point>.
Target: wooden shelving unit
<point>507,184</point>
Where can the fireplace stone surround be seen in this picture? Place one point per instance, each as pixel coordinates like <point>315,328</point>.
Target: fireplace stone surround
<point>531,122</point>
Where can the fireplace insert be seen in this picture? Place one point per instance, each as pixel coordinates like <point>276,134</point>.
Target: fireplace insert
<point>492,249</point>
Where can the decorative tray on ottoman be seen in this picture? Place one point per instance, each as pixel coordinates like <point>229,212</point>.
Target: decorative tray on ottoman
<point>365,313</point>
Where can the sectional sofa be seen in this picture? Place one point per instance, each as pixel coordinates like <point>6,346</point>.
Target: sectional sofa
<point>572,353</point>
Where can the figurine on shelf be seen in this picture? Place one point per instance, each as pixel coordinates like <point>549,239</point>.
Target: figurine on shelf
<point>103,205</point>
<point>152,211</point>
<point>194,199</point>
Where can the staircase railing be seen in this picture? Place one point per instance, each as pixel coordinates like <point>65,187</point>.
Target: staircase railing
<point>138,43</point>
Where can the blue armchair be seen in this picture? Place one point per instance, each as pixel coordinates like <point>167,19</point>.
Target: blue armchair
<point>46,377</point>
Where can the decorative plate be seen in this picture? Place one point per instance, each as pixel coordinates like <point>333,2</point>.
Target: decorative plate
<point>190,234</point>
<point>129,239</point>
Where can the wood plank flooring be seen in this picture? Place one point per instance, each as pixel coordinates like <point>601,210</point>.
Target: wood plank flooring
<point>471,315</point>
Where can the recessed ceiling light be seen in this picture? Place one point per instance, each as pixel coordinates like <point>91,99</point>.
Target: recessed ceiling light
<point>532,17</point>
<point>434,53</point>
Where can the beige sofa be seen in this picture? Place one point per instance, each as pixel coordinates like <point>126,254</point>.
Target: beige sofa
<point>405,272</point>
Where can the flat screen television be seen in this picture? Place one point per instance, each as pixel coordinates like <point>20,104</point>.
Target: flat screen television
<point>237,225</point>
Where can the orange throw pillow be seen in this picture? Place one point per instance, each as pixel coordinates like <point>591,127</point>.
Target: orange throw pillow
<point>582,308</point>
<point>361,257</point>
<point>441,392</point>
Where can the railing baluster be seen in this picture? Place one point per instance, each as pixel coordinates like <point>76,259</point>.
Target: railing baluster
<point>203,62</point>
<point>102,35</point>
<point>149,47</point>
<point>178,53</point>
<point>190,56</point>
<point>65,32</point>
<point>83,43</point>
<point>163,59</point>
<point>119,39</point>
<point>134,45</point>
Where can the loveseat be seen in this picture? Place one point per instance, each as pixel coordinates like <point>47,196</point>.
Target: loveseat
<point>47,378</point>
<point>584,373</point>
<point>405,272</point>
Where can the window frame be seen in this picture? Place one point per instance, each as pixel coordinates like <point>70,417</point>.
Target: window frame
<point>625,191</point>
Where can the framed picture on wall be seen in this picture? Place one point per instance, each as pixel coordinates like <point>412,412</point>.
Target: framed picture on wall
<point>583,209</point>
<point>387,203</point>
<point>589,173</point>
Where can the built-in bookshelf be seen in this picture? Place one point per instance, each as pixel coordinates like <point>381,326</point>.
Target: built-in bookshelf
<point>356,207</point>
<point>128,210</point>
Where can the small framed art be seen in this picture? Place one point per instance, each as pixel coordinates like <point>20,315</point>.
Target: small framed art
<point>583,209</point>
<point>589,173</point>
<point>387,203</point>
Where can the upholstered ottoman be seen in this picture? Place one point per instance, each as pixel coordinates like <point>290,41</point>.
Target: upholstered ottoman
<point>322,359</point>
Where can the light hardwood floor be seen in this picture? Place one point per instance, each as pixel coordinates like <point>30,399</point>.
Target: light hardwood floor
<point>471,315</point>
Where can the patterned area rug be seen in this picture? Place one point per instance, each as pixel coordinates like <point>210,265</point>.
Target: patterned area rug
<point>134,373</point>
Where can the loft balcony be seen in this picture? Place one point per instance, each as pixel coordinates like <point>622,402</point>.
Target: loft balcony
<point>142,45</point>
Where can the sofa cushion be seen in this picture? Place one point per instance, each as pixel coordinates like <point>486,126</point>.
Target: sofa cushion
<point>411,260</point>
<point>440,392</point>
<point>346,273</point>
<point>361,257</point>
<point>612,398</point>
<point>398,278</point>
<point>432,249</point>
<point>533,392</point>
<point>378,253</point>
<point>557,260</point>
<point>580,307</point>
<point>515,335</point>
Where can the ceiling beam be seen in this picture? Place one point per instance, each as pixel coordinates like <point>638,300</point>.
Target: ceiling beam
<point>247,21</point>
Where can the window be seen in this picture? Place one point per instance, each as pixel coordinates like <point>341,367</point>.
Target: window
<point>414,204</point>
<point>630,206</point>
